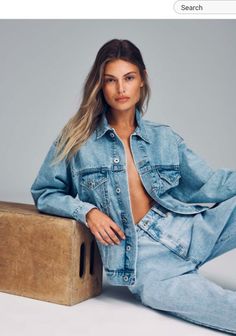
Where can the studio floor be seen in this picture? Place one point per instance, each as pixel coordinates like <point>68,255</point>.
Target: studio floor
<point>115,312</point>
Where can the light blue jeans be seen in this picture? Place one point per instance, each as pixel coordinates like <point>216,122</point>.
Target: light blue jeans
<point>171,248</point>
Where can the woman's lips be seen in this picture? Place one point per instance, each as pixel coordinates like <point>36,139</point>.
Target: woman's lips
<point>122,100</point>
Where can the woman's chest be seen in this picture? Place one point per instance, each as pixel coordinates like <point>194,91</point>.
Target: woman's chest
<point>107,164</point>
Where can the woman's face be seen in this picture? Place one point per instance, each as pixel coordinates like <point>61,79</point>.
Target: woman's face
<point>122,83</point>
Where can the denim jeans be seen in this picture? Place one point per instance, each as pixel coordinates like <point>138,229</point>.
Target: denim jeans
<point>171,248</point>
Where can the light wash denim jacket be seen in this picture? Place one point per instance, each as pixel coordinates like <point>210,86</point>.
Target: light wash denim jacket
<point>172,174</point>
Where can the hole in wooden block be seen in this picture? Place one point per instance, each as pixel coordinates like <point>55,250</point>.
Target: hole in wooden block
<point>92,247</point>
<point>82,259</point>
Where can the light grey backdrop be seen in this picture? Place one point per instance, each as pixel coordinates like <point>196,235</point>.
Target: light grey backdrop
<point>191,66</point>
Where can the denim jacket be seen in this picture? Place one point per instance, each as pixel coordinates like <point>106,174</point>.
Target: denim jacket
<point>172,174</point>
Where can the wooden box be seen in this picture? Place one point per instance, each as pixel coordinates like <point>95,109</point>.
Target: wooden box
<point>47,257</point>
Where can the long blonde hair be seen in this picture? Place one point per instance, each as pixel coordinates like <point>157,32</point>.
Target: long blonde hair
<point>84,122</point>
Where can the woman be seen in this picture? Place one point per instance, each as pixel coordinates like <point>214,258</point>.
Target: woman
<point>134,183</point>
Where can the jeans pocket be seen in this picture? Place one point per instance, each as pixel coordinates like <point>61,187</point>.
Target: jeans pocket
<point>175,243</point>
<point>175,246</point>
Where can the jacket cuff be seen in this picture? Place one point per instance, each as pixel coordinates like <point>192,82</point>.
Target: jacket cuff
<point>81,211</point>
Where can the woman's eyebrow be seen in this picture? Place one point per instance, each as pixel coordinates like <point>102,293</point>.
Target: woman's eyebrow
<point>128,73</point>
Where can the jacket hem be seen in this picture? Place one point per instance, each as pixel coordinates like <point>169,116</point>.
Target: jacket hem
<point>121,277</point>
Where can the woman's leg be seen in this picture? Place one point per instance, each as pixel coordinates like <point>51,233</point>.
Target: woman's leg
<point>226,241</point>
<point>205,235</point>
<point>191,297</point>
<point>167,276</point>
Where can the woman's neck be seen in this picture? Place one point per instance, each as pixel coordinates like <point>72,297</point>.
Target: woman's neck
<point>121,119</point>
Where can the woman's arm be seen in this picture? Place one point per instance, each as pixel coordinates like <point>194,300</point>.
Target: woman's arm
<point>51,190</point>
<point>199,183</point>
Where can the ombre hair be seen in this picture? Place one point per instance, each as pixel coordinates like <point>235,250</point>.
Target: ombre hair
<point>84,122</point>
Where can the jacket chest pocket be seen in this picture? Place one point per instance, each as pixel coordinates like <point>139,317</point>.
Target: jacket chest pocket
<point>168,177</point>
<point>93,180</point>
<point>94,187</point>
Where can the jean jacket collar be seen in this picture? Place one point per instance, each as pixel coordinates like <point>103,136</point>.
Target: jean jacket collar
<point>140,130</point>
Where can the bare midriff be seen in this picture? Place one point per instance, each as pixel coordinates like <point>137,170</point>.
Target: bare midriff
<point>141,201</point>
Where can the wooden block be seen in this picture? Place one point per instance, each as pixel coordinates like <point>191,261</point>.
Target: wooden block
<point>47,257</point>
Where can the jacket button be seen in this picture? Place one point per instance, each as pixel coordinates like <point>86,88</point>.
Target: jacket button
<point>118,190</point>
<point>128,248</point>
<point>126,278</point>
<point>112,135</point>
<point>116,160</point>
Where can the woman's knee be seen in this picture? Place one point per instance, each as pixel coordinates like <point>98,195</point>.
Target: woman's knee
<point>169,294</point>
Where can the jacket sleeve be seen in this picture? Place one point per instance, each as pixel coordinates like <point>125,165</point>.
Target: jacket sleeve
<point>199,183</point>
<point>51,190</point>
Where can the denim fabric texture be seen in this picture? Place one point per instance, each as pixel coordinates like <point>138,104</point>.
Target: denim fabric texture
<point>171,248</point>
<point>173,175</point>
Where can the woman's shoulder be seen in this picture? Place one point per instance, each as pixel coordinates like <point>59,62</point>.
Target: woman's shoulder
<point>161,128</point>
<point>154,123</point>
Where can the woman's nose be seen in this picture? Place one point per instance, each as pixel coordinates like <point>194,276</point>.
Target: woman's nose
<point>120,87</point>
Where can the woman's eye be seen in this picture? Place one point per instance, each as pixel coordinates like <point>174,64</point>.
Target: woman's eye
<point>130,78</point>
<point>112,80</point>
<point>109,80</point>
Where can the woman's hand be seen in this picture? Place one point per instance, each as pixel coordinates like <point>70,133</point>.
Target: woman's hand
<point>103,227</point>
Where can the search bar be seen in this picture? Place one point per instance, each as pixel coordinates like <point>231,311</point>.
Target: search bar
<point>205,7</point>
